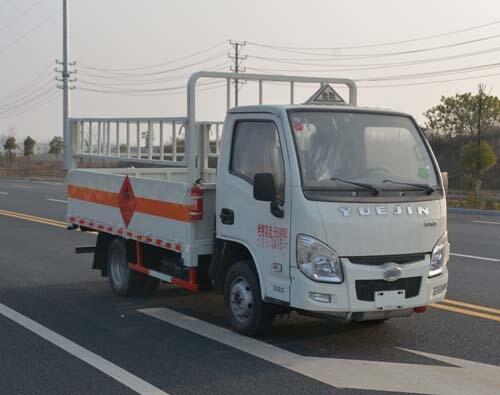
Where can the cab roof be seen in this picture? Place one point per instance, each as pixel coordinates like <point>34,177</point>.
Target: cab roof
<point>280,108</point>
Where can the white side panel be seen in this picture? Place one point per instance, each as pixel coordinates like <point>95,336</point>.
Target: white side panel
<point>193,237</point>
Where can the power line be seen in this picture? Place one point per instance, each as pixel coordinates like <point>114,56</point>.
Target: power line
<point>426,74</point>
<point>139,80</point>
<point>368,66</point>
<point>215,56</point>
<point>177,91</point>
<point>47,84</point>
<point>354,56</point>
<point>31,108</point>
<point>20,16</point>
<point>35,81</point>
<point>383,44</point>
<point>430,82</point>
<point>23,102</point>
<point>36,27</point>
<point>162,89</point>
<point>432,73</point>
<point>112,70</point>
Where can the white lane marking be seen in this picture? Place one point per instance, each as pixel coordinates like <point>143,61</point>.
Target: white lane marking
<point>475,257</point>
<point>4,193</point>
<point>57,200</point>
<point>121,375</point>
<point>486,222</point>
<point>465,377</point>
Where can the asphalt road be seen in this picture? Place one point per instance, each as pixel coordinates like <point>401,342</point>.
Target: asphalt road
<point>63,331</point>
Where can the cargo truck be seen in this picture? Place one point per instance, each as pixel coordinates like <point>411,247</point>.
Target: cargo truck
<point>324,208</point>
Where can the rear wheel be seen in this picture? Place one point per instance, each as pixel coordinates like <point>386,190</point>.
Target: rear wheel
<point>123,281</point>
<point>247,313</point>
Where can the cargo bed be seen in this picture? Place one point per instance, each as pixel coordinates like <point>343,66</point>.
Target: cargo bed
<point>150,205</point>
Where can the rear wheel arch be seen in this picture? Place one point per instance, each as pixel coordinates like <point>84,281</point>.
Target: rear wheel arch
<point>101,253</point>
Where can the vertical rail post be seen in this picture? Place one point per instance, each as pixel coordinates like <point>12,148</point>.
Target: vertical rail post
<point>128,139</point>
<point>138,140</point>
<point>228,94</point>
<point>75,131</point>
<point>260,92</point>
<point>150,140</point>
<point>161,141</point>
<point>99,142</point>
<point>118,139</point>
<point>91,132</point>
<point>174,141</point>
<point>217,137</point>
<point>108,138</point>
<point>82,138</point>
<point>292,92</point>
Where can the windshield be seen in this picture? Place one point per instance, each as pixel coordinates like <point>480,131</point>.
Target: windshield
<point>370,148</point>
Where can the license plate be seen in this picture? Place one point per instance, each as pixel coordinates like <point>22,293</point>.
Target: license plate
<point>389,300</point>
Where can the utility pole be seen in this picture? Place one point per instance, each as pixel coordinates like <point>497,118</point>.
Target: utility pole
<point>237,58</point>
<point>65,86</point>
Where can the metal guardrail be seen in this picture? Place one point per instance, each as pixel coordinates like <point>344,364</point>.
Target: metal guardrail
<point>145,140</point>
<point>158,141</point>
<point>93,137</point>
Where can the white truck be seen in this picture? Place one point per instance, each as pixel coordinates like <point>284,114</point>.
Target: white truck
<point>324,208</point>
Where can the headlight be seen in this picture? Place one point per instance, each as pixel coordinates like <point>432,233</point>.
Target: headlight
<point>318,261</point>
<point>440,255</point>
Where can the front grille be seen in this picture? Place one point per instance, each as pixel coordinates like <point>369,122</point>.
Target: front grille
<point>365,289</point>
<point>377,260</point>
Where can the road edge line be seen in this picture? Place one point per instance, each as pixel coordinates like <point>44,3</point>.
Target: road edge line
<point>103,365</point>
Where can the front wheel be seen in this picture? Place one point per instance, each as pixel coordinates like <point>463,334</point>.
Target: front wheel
<point>247,313</point>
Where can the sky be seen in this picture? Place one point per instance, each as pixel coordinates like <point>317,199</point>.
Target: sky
<point>283,37</point>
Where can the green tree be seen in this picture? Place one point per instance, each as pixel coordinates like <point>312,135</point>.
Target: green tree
<point>9,146</point>
<point>457,116</point>
<point>56,146</point>
<point>478,159</point>
<point>29,145</point>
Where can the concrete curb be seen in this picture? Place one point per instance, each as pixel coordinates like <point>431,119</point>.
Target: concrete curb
<point>467,211</point>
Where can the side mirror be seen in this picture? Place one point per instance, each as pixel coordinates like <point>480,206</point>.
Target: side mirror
<point>264,187</point>
<point>444,175</point>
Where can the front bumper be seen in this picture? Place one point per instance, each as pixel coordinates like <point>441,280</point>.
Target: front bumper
<point>345,299</point>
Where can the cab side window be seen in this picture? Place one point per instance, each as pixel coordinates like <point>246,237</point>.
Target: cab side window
<point>256,149</point>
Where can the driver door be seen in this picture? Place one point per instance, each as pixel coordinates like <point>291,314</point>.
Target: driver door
<point>255,146</point>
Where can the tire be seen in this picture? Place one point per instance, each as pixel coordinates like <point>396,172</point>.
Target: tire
<point>248,314</point>
<point>123,281</point>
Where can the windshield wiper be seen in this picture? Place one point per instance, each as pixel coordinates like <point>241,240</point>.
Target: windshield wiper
<point>429,190</point>
<point>374,190</point>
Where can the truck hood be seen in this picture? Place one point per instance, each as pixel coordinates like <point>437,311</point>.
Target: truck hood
<point>383,229</point>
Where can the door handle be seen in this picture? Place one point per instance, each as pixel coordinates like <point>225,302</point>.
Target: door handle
<point>227,216</point>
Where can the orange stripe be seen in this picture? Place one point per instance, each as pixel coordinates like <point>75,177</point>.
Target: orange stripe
<point>93,195</point>
<point>175,211</point>
<point>159,208</point>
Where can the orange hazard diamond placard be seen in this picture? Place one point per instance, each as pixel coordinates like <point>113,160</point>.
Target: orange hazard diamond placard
<point>126,201</point>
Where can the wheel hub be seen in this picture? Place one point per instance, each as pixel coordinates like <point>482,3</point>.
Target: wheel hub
<point>241,299</point>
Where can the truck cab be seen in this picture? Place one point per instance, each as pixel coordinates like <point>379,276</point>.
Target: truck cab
<point>340,211</point>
